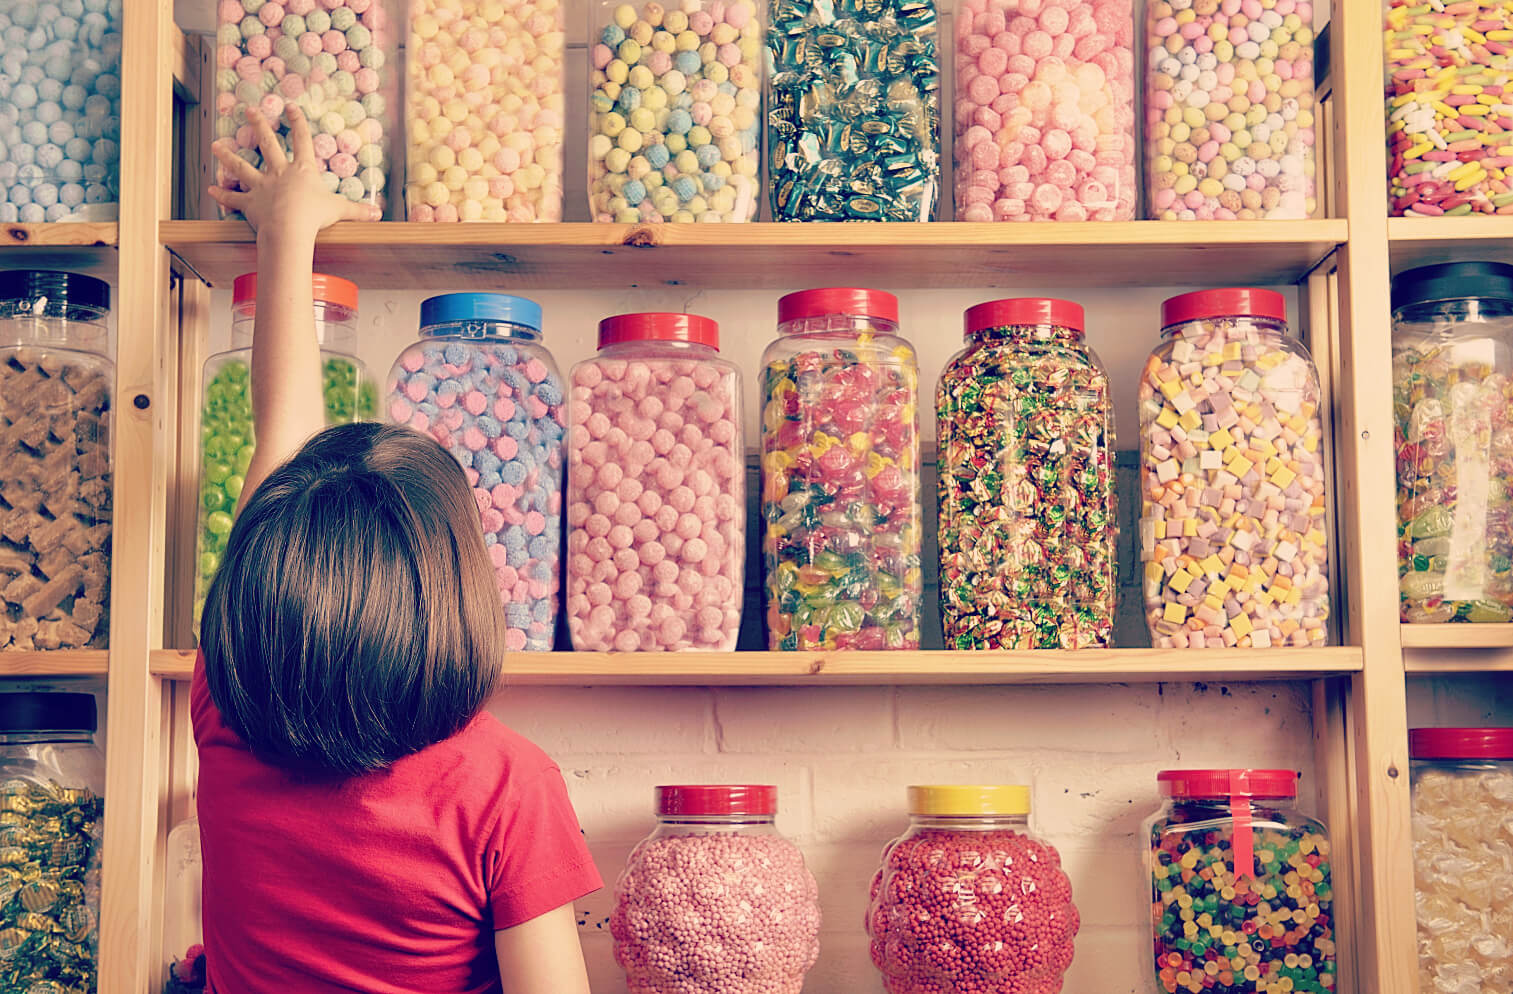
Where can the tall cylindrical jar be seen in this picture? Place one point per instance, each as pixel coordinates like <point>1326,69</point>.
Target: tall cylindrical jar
<point>484,111</point>
<point>1462,807</point>
<point>1233,535</point>
<point>968,899</point>
<point>55,482</point>
<point>675,110</point>
<point>1027,516</point>
<point>1452,400</point>
<point>1240,881</point>
<point>853,111</point>
<point>714,900</point>
<point>480,382</point>
<point>183,915</point>
<point>226,424</point>
<point>52,778</point>
<point>656,498</point>
<point>1230,117</point>
<point>335,61</point>
<point>840,475</point>
<point>1045,111</point>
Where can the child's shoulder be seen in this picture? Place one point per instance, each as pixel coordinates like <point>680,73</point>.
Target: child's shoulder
<point>487,747</point>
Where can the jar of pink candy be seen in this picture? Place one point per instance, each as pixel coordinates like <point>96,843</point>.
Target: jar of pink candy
<point>480,383</point>
<point>714,900</point>
<point>656,495</point>
<point>1045,111</point>
<point>333,59</point>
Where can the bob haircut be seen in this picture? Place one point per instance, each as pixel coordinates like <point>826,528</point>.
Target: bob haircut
<point>355,617</point>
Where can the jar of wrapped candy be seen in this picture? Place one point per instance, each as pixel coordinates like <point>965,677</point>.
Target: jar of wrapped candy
<point>183,915</point>
<point>483,111</point>
<point>674,113</point>
<point>1452,359</point>
<point>51,783</point>
<point>333,60</point>
<point>656,498</point>
<point>1027,516</point>
<point>60,111</point>
<point>1230,116</point>
<point>55,483</point>
<point>1045,111</point>
<point>840,475</point>
<point>1232,529</point>
<point>226,425</point>
<point>480,382</point>
<point>1240,885</point>
<point>853,110</point>
<point>1462,805</point>
<point>714,900</point>
<point>968,899</point>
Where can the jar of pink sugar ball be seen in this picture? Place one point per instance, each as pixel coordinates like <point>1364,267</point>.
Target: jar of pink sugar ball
<point>656,498</point>
<point>1045,111</point>
<point>714,900</point>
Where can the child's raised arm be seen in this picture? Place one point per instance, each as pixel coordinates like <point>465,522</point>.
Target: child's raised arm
<point>288,205</point>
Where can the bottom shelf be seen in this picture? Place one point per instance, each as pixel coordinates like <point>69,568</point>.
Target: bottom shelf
<point>55,662</point>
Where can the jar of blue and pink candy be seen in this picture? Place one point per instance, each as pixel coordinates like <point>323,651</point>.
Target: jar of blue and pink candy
<point>480,382</point>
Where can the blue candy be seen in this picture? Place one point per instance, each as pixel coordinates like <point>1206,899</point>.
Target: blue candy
<point>549,391</point>
<point>463,455</point>
<point>518,615</point>
<point>708,155</point>
<point>658,155</point>
<point>542,610</point>
<point>678,123</point>
<point>488,481</point>
<point>490,427</point>
<point>634,192</point>
<point>507,355</point>
<point>515,557</point>
<point>456,354</point>
<point>514,538</point>
<point>513,473</point>
<point>688,63</point>
<point>613,35</point>
<point>489,538</point>
<point>516,430</point>
<point>486,462</point>
<point>450,388</point>
<point>685,188</point>
<point>712,182</point>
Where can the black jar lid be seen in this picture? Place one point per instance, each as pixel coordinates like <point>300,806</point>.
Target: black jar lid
<point>1452,281</point>
<point>70,289</point>
<point>47,712</point>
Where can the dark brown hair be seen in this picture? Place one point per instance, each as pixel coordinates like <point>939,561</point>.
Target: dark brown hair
<point>355,617</point>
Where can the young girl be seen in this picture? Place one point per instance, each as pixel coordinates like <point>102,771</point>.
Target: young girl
<point>366,825</point>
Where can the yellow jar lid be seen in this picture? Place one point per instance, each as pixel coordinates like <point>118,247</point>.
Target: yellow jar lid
<point>1012,799</point>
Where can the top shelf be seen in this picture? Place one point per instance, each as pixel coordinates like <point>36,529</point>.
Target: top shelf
<point>76,246</point>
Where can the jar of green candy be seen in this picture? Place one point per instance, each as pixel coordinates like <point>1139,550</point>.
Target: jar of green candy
<point>51,814</point>
<point>226,442</point>
<point>1242,898</point>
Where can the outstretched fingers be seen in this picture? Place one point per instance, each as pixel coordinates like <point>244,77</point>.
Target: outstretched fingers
<point>274,159</point>
<point>299,135</point>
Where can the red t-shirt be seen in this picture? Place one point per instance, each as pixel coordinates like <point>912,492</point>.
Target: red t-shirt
<point>389,883</point>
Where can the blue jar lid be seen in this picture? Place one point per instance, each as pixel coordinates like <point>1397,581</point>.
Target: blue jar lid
<point>452,307</point>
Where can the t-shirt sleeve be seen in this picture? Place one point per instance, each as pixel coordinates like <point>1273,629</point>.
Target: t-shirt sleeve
<point>537,858</point>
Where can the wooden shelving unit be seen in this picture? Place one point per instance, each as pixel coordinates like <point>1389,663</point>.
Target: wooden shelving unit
<point>1422,241</point>
<point>1458,636</point>
<point>58,663</point>
<point>1453,649</point>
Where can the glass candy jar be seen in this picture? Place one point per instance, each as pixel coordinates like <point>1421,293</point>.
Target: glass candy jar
<point>1232,529</point>
<point>226,423</point>
<point>840,475</point>
<point>183,918</point>
<point>1027,517</point>
<point>1452,400</point>
<point>969,900</point>
<point>52,778</point>
<point>714,900</point>
<point>1229,851</point>
<point>55,481</point>
<point>480,382</point>
<point>656,498</point>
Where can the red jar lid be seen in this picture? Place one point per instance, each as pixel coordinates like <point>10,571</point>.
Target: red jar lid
<point>838,300</point>
<point>1460,743</point>
<point>1231,302</point>
<point>717,799</point>
<point>1219,784</point>
<point>656,326</point>
<point>1024,310</point>
<point>327,290</point>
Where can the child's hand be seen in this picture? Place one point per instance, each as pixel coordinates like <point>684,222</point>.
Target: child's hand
<point>284,195</point>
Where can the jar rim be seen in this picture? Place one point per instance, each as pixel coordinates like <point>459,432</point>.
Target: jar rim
<point>969,800</point>
<point>849,300</point>
<point>45,711</point>
<point>1221,785</point>
<point>1226,302</point>
<point>1035,311</point>
<point>326,290</point>
<point>717,799</point>
<point>1460,743</point>
<point>659,326</point>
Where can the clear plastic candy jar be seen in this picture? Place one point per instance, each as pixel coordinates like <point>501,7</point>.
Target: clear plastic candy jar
<point>483,111</point>
<point>840,475</point>
<point>714,900</point>
<point>1045,111</point>
<point>183,917</point>
<point>55,483</point>
<point>51,819</point>
<point>968,900</point>
<point>335,61</point>
<point>1027,515</point>
<point>480,382</point>
<point>1232,527</point>
<point>60,111</point>
<point>226,425</point>
<point>1462,834</point>
<point>674,110</point>
<point>1241,891</point>
<point>853,110</point>
<point>656,498</point>
<point>1452,400</point>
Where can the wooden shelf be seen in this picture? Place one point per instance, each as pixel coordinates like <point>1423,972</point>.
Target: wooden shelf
<point>78,247</point>
<point>60,662</point>
<point>1423,241</point>
<point>765,255</point>
<point>937,667</point>
<point>1462,636</point>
